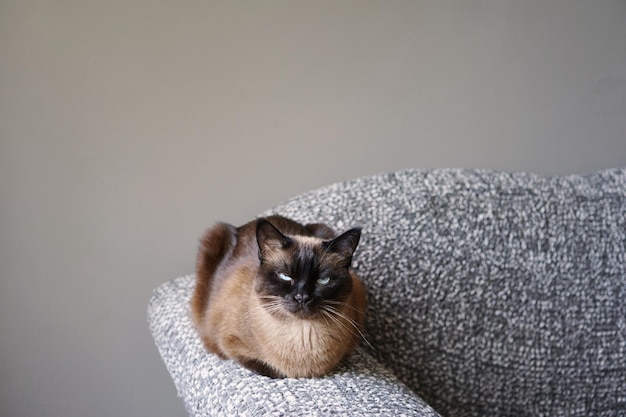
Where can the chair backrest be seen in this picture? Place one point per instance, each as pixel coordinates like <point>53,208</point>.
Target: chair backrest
<point>491,293</point>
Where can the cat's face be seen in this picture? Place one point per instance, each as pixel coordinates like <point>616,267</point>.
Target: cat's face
<point>301,276</point>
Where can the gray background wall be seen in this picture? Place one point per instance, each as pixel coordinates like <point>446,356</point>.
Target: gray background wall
<point>128,126</point>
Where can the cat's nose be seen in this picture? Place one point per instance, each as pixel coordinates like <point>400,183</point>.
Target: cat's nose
<point>302,298</point>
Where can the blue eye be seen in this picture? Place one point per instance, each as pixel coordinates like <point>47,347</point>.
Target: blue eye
<point>284,277</point>
<point>323,280</point>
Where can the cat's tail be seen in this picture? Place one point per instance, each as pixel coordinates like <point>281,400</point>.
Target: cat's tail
<point>215,246</point>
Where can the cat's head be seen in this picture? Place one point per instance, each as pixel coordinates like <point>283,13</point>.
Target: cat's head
<point>303,276</point>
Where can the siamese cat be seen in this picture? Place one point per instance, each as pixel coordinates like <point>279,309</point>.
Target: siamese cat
<point>278,296</point>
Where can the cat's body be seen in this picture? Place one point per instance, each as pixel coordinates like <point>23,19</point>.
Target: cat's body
<point>278,296</point>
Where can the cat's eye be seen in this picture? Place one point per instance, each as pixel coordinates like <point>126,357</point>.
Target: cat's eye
<point>323,280</point>
<point>284,277</point>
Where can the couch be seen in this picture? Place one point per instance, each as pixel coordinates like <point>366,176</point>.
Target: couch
<point>490,294</point>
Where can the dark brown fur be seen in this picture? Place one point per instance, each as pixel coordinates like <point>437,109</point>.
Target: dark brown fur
<point>244,311</point>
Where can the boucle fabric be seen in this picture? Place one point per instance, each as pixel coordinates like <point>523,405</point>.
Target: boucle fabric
<point>212,387</point>
<point>491,294</point>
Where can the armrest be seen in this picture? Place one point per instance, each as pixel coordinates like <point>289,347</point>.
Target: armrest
<point>210,386</point>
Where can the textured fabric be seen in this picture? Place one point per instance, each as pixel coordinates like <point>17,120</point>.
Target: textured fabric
<point>491,294</point>
<point>212,387</point>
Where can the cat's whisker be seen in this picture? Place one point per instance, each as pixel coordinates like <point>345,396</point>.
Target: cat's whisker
<point>275,307</point>
<point>337,318</point>
<point>340,325</point>
<point>329,320</point>
<point>351,322</point>
<point>343,304</point>
<point>272,306</point>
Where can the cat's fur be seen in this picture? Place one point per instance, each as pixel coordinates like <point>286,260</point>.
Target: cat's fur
<point>244,310</point>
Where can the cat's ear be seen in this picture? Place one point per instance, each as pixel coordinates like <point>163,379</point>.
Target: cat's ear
<point>345,244</point>
<point>269,238</point>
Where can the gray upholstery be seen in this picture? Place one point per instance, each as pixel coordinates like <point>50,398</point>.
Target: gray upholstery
<point>491,294</point>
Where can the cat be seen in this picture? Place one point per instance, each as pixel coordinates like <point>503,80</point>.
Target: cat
<point>279,297</point>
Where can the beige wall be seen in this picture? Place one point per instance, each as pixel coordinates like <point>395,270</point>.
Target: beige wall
<point>127,127</point>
